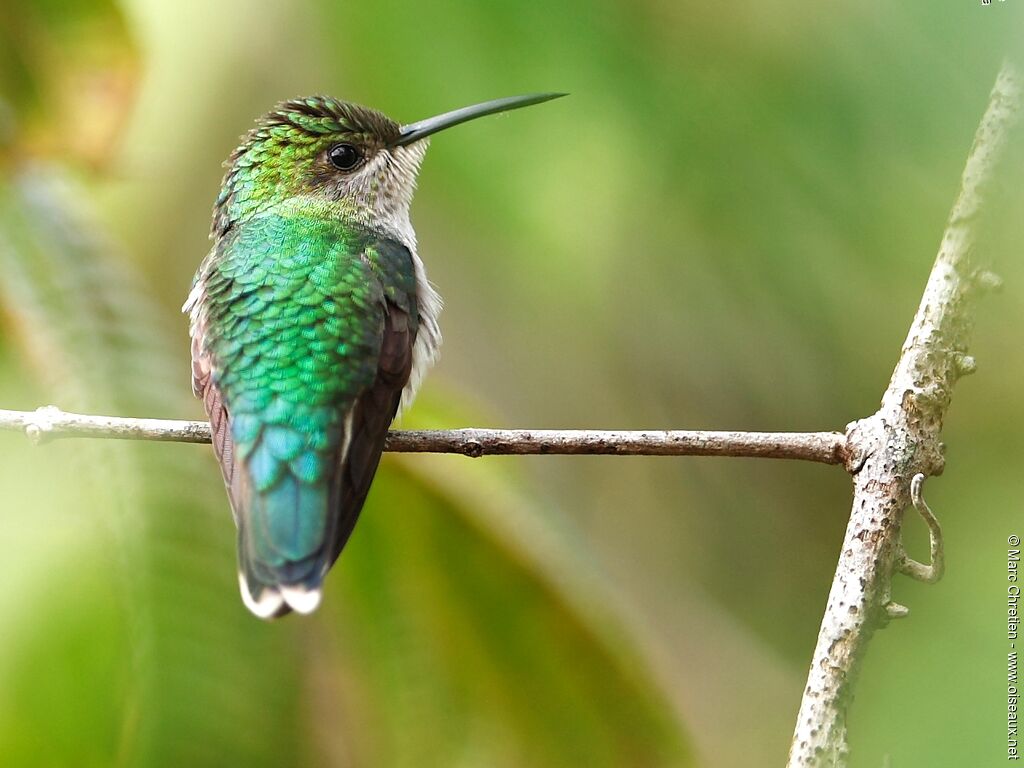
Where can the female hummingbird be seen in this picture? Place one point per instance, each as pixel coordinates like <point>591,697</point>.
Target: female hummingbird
<point>312,321</point>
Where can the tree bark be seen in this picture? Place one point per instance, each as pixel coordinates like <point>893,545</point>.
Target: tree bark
<point>897,443</point>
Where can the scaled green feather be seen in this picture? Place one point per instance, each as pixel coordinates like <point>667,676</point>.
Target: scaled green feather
<point>292,352</point>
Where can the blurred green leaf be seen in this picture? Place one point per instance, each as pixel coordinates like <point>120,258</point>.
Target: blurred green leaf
<point>476,630</point>
<point>201,682</point>
<point>472,605</point>
<point>65,680</point>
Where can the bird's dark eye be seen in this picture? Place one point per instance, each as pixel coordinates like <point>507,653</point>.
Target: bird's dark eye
<point>344,157</point>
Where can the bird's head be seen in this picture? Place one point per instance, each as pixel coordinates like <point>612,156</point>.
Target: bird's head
<point>322,151</point>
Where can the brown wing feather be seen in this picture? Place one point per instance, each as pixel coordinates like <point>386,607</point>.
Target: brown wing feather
<point>216,411</point>
<point>371,417</point>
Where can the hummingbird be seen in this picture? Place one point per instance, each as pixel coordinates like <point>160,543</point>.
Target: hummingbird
<point>312,322</point>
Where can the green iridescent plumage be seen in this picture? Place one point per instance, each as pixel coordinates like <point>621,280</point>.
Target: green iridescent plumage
<point>305,317</point>
<point>295,315</point>
<point>310,320</point>
<point>284,155</point>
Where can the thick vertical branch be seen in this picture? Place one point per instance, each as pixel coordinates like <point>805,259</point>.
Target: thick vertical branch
<point>899,441</point>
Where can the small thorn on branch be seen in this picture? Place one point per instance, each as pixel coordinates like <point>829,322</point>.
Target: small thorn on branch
<point>896,611</point>
<point>965,364</point>
<point>989,281</point>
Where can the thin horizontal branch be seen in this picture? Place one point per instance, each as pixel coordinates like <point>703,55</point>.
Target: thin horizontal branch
<point>50,422</point>
<point>823,447</point>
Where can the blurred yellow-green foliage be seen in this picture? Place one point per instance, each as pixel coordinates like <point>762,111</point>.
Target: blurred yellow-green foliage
<point>727,225</point>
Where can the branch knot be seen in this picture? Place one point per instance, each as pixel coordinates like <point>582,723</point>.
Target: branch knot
<point>39,426</point>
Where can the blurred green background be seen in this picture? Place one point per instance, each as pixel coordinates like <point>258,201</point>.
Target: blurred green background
<point>728,225</point>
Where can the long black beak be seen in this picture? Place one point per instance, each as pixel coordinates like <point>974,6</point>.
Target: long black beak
<point>423,128</point>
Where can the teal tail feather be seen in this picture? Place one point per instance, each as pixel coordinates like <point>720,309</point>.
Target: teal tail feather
<point>285,546</point>
<point>298,450</point>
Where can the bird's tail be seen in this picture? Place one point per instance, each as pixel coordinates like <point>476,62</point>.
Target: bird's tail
<point>284,547</point>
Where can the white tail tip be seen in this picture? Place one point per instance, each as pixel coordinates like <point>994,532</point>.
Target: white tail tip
<point>266,605</point>
<point>300,599</point>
